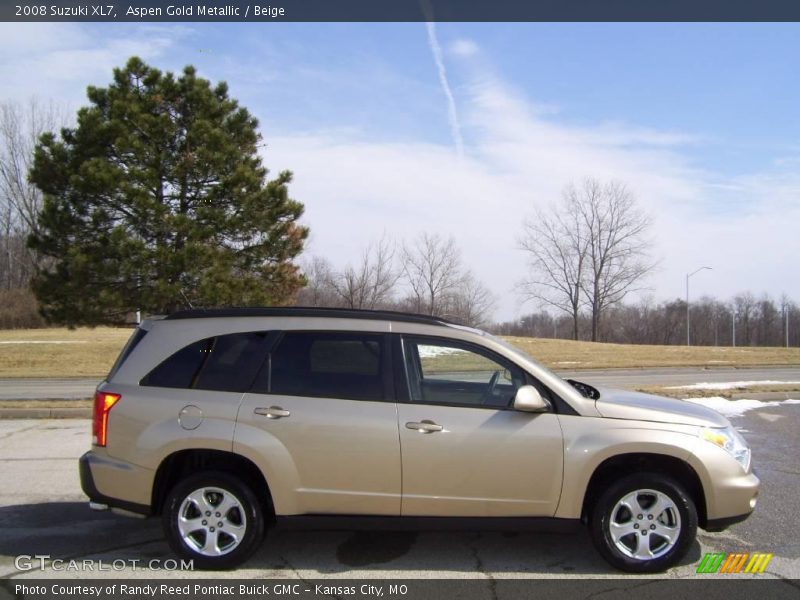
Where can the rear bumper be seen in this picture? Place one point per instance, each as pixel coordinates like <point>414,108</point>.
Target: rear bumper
<point>95,470</point>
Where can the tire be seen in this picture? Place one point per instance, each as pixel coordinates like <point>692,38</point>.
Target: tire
<point>649,543</point>
<point>191,521</point>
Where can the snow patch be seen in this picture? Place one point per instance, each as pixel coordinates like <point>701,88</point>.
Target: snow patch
<point>434,351</point>
<point>736,408</point>
<point>729,385</point>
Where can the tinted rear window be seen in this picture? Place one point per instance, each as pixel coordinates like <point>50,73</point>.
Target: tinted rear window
<point>133,341</point>
<point>233,362</point>
<point>326,365</point>
<point>180,369</point>
<point>225,363</point>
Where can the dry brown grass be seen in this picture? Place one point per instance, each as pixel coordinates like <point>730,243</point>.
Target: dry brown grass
<point>91,352</point>
<point>88,353</point>
<point>712,393</point>
<point>567,355</point>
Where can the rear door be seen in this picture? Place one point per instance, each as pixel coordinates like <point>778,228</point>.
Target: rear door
<point>465,451</point>
<point>322,413</point>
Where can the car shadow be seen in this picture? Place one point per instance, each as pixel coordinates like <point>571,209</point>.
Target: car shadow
<point>69,530</point>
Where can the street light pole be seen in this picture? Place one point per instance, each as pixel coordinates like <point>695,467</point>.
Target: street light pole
<point>733,328</point>
<point>688,315</point>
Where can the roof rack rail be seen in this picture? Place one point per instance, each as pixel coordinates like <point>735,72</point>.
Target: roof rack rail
<point>305,311</point>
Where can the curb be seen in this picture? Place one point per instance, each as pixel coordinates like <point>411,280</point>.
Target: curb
<point>45,413</point>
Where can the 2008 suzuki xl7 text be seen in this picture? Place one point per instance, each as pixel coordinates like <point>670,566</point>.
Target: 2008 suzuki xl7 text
<point>230,421</point>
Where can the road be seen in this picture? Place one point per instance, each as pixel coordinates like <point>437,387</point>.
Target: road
<point>74,388</point>
<point>42,511</point>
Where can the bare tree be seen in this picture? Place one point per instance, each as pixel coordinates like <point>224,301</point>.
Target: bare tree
<point>590,250</point>
<point>432,268</point>
<point>618,246</point>
<point>20,129</point>
<point>744,308</point>
<point>319,290</point>
<point>370,283</point>
<point>557,247</point>
<point>20,201</point>
<point>471,303</point>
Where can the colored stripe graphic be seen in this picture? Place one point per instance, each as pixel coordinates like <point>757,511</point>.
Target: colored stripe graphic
<point>711,562</point>
<point>758,563</point>
<point>720,562</point>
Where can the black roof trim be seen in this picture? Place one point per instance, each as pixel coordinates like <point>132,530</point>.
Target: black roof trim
<point>304,311</point>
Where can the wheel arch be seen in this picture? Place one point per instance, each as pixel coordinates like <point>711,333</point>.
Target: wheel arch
<point>677,469</point>
<point>176,466</point>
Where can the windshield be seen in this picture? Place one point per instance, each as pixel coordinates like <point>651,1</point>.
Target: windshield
<point>512,348</point>
<point>587,391</point>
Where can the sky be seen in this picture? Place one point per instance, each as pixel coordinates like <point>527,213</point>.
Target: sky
<point>465,130</point>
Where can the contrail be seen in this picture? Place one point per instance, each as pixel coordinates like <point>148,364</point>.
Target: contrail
<point>452,113</point>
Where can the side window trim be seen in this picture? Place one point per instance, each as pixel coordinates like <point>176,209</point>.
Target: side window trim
<point>400,369</point>
<point>267,346</point>
<point>389,388</point>
<point>211,343</point>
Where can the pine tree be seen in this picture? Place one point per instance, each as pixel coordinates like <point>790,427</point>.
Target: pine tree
<point>158,200</point>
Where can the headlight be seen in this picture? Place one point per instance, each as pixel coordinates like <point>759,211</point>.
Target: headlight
<point>731,441</point>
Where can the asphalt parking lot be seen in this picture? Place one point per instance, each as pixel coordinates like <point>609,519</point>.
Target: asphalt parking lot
<point>43,512</point>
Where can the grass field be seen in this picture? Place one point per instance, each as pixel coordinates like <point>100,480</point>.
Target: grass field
<point>80,352</point>
<point>91,352</point>
<point>567,355</point>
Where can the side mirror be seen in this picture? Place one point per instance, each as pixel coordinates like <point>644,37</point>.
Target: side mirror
<point>528,399</point>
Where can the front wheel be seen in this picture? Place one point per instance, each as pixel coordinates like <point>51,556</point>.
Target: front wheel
<point>644,523</point>
<point>213,519</point>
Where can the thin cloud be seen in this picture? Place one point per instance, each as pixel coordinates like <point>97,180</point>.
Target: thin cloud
<point>452,112</point>
<point>464,48</point>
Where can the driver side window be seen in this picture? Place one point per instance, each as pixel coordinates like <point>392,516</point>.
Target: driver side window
<point>445,372</point>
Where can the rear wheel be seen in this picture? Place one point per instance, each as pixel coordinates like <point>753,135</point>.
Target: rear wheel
<point>213,519</point>
<point>644,523</point>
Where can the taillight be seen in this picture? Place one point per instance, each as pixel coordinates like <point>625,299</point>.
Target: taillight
<point>103,401</point>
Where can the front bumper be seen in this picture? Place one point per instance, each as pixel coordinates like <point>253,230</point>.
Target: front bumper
<point>730,493</point>
<point>734,499</point>
<point>92,467</point>
<point>714,525</point>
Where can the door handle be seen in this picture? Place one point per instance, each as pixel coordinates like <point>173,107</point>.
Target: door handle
<point>273,412</point>
<point>424,426</point>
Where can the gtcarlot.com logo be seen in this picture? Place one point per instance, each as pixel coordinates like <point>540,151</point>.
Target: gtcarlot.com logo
<point>27,562</point>
<point>734,562</point>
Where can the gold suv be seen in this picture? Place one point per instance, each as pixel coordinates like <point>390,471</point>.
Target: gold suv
<point>228,422</point>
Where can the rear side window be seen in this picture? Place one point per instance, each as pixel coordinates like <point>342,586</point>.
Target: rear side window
<point>133,341</point>
<point>232,362</point>
<point>326,365</point>
<point>225,363</point>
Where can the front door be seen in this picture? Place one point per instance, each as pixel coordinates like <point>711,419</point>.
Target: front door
<point>465,451</point>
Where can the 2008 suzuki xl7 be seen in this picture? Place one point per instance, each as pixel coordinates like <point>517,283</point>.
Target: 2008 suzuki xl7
<point>229,421</point>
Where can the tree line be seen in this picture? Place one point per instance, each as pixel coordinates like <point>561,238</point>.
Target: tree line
<point>744,320</point>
